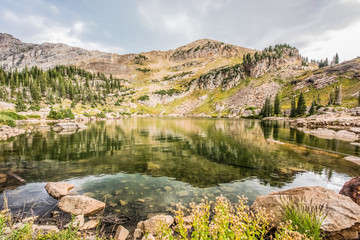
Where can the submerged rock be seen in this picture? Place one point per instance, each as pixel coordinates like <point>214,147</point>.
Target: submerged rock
<point>80,205</point>
<point>352,189</point>
<point>58,189</point>
<point>68,127</point>
<point>343,215</point>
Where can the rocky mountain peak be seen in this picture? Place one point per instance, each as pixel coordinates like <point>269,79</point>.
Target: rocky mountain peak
<point>7,40</point>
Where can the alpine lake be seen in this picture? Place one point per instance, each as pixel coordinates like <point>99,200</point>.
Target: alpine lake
<point>140,166</point>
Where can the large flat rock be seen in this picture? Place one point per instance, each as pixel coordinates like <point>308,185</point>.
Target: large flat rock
<point>343,215</point>
<point>80,205</point>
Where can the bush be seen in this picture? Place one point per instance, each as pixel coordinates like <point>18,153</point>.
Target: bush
<point>34,108</point>
<point>101,115</point>
<point>144,98</point>
<point>8,118</point>
<point>86,114</point>
<point>223,220</point>
<point>61,114</point>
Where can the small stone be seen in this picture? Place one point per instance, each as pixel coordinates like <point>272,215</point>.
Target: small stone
<point>78,221</point>
<point>123,202</point>
<point>90,225</point>
<point>55,213</point>
<point>137,233</point>
<point>168,188</point>
<point>182,193</point>
<point>148,237</point>
<point>47,228</point>
<point>29,219</point>
<point>121,233</point>
<point>141,200</point>
<point>112,204</point>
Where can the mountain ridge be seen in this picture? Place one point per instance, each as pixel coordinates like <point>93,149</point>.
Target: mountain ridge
<point>203,77</point>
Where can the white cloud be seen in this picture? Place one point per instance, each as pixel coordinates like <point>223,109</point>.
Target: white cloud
<point>344,41</point>
<point>47,30</point>
<point>169,21</point>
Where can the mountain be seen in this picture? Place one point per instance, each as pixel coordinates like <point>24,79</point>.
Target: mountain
<point>203,77</point>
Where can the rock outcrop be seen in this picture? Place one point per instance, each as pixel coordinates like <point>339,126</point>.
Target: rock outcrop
<point>58,189</point>
<point>343,215</point>
<point>80,205</point>
<point>352,189</point>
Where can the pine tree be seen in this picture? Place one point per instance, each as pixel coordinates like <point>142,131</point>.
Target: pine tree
<point>301,105</point>
<point>337,60</point>
<point>277,106</point>
<point>312,110</point>
<point>20,106</point>
<point>293,108</point>
<point>359,98</point>
<point>267,109</point>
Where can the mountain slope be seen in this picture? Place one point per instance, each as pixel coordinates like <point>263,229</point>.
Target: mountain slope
<point>202,77</point>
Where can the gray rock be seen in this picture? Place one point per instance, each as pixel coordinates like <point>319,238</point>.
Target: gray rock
<point>78,222</point>
<point>90,225</point>
<point>137,233</point>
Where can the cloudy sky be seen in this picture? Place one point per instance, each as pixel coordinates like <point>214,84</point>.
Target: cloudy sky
<point>319,28</point>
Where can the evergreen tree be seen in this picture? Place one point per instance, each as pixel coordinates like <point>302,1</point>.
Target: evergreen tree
<point>277,106</point>
<point>301,105</point>
<point>293,107</point>
<point>312,110</point>
<point>359,98</point>
<point>267,109</point>
<point>337,60</point>
<point>20,106</point>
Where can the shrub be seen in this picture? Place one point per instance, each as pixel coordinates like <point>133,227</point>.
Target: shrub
<point>144,98</point>
<point>101,115</point>
<point>306,218</point>
<point>61,114</point>
<point>34,108</point>
<point>86,114</point>
<point>8,118</point>
<point>168,92</point>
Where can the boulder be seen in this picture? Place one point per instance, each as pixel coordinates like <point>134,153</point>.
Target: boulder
<point>151,225</point>
<point>343,215</point>
<point>58,189</point>
<point>121,233</point>
<point>80,205</point>
<point>352,189</point>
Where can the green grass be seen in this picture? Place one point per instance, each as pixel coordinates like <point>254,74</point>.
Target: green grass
<point>8,118</point>
<point>306,218</point>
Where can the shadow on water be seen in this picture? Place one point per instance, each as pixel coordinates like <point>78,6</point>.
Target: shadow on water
<point>146,164</point>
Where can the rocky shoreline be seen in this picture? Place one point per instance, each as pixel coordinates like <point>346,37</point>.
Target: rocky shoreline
<point>342,213</point>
